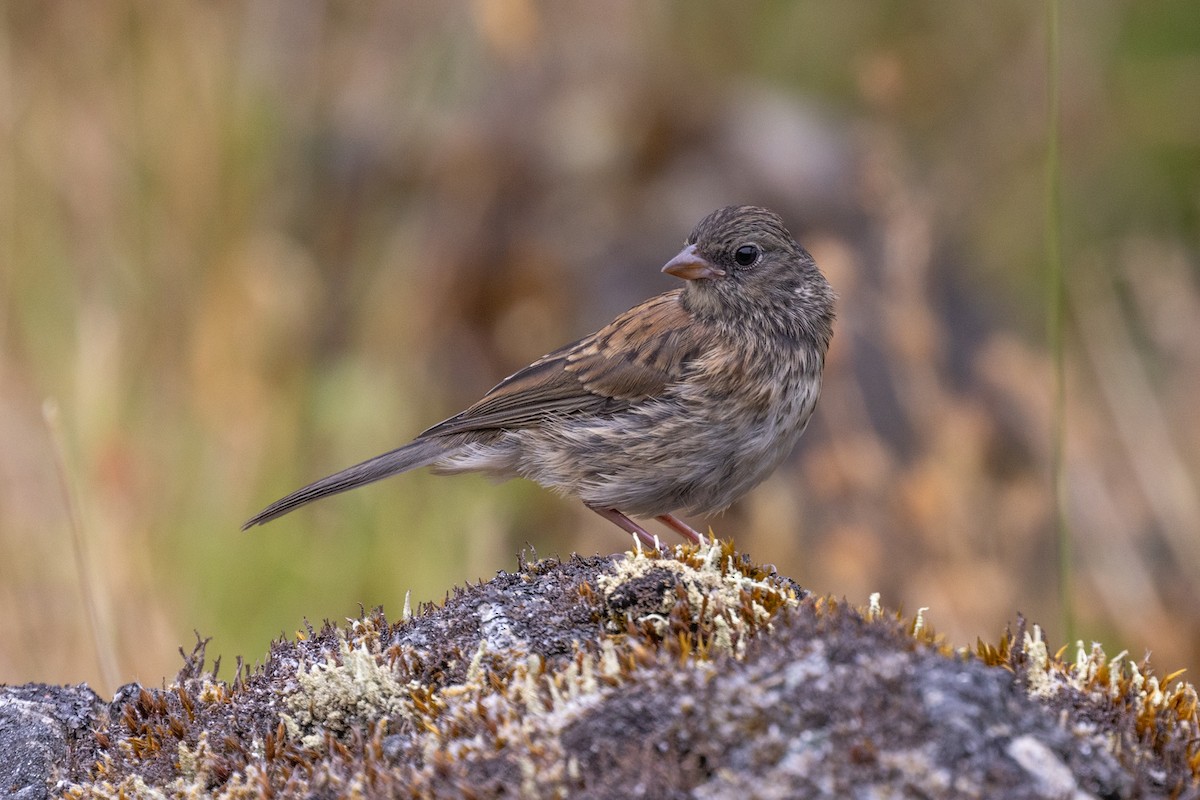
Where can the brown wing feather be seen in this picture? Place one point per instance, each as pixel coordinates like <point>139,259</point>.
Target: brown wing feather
<point>635,356</point>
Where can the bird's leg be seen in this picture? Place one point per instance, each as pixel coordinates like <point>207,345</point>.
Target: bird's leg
<point>626,524</point>
<point>682,528</point>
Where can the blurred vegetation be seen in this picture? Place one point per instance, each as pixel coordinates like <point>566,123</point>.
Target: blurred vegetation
<point>244,244</point>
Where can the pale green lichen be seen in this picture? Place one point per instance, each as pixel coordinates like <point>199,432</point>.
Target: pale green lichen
<point>1039,681</point>
<point>333,695</point>
<point>918,626</point>
<point>192,760</point>
<point>874,609</point>
<point>715,588</point>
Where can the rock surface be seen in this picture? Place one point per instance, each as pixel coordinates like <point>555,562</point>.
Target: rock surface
<point>39,729</point>
<point>695,675</point>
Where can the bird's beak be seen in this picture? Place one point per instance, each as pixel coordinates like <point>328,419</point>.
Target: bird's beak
<point>691,266</point>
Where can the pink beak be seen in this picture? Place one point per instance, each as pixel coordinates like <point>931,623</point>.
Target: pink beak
<point>692,267</point>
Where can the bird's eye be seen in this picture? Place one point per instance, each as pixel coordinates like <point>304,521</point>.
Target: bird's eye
<point>747,254</point>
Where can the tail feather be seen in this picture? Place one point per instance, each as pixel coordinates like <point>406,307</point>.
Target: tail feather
<point>419,453</point>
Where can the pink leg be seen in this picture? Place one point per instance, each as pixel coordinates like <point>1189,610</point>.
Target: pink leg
<point>626,524</point>
<point>682,528</point>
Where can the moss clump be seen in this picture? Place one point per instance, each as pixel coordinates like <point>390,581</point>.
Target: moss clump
<point>1119,697</point>
<point>695,674</point>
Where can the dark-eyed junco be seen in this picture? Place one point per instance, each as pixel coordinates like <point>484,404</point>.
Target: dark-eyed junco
<point>682,403</point>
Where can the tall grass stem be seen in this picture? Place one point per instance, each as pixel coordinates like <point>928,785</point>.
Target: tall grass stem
<point>1056,312</point>
<point>95,602</point>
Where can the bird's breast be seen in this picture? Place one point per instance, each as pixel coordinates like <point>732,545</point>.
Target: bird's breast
<point>755,402</point>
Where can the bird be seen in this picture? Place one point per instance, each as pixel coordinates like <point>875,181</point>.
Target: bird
<point>681,404</point>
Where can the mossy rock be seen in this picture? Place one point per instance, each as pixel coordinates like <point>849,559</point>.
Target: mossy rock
<point>697,674</point>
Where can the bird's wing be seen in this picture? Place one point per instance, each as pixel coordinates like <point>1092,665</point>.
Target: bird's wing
<point>635,357</point>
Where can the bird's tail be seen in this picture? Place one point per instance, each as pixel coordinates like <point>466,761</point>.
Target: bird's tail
<point>419,453</point>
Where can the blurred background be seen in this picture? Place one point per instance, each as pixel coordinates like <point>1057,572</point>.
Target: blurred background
<point>245,244</point>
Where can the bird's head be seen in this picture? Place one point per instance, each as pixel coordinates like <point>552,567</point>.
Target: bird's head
<point>742,267</point>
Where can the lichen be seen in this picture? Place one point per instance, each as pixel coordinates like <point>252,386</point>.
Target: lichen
<point>334,694</point>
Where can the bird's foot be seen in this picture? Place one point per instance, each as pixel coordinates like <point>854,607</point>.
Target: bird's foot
<point>649,540</point>
<point>626,524</point>
<point>682,528</point>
